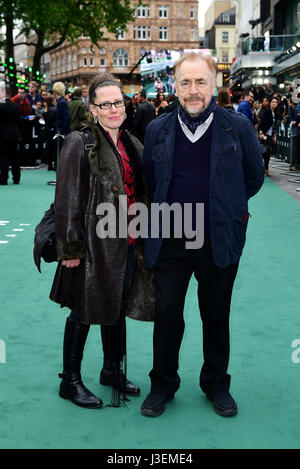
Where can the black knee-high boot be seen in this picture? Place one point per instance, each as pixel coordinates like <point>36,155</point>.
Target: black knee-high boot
<point>114,353</point>
<point>71,386</point>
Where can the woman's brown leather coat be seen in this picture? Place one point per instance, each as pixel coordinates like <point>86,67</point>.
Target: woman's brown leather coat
<point>94,289</point>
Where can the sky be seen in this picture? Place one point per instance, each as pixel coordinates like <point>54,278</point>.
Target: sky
<point>202,7</point>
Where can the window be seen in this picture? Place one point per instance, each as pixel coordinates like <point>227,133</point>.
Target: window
<point>226,18</point>
<point>224,36</point>
<point>192,13</point>
<point>163,33</point>
<point>74,60</point>
<point>120,58</point>
<point>192,34</point>
<point>58,65</point>
<point>142,32</point>
<point>92,62</point>
<point>144,11</point>
<point>84,50</point>
<point>84,62</point>
<point>163,11</point>
<point>69,62</point>
<point>120,34</point>
<point>102,62</point>
<point>63,64</point>
<point>224,56</point>
<point>102,50</point>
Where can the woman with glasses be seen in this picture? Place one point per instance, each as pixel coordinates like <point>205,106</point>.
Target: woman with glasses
<point>95,275</point>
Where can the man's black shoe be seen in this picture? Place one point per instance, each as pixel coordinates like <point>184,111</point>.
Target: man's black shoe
<point>154,404</point>
<point>223,403</point>
<point>108,378</point>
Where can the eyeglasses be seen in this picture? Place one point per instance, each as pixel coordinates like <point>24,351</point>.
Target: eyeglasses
<point>105,106</point>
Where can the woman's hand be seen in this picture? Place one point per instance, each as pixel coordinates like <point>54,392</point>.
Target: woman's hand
<point>71,263</point>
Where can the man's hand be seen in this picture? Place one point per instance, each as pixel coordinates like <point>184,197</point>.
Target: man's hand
<point>71,263</point>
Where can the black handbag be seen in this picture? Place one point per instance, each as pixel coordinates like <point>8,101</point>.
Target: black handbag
<point>44,245</point>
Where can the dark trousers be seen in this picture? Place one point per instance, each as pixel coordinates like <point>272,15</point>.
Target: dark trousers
<point>173,272</point>
<point>9,156</point>
<point>268,151</point>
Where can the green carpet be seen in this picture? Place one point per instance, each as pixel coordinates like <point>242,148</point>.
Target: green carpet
<point>264,322</point>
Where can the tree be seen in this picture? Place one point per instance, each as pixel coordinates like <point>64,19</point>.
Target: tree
<point>55,21</point>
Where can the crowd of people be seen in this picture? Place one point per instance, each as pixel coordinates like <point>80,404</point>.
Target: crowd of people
<point>266,115</point>
<point>55,113</point>
<point>60,111</point>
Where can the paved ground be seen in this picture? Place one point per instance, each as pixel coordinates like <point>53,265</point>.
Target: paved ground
<point>288,180</point>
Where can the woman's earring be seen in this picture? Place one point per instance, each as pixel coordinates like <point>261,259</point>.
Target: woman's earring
<point>96,119</point>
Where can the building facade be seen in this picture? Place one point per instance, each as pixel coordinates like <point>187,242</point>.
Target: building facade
<point>268,44</point>
<point>214,10</point>
<point>158,25</point>
<point>221,39</point>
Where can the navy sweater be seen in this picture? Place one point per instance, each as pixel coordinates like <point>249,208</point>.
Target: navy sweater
<point>191,173</point>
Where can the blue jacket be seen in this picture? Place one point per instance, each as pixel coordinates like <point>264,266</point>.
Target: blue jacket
<point>245,108</point>
<point>63,116</point>
<point>236,174</point>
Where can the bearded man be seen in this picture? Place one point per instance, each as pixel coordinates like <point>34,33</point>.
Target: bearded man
<point>198,154</point>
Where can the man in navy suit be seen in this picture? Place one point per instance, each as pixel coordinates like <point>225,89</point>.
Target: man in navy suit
<point>198,154</point>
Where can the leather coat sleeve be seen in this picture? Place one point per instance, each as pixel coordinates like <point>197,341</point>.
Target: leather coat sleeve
<point>70,199</point>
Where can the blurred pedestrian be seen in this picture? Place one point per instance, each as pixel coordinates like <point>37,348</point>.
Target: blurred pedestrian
<point>223,99</point>
<point>62,115</point>
<point>85,97</point>
<point>267,131</point>
<point>145,113</point>
<point>49,132</point>
<point>33,96</point>
<point>10,135</point>
<point>293,118</point>
<point>23,103</point>
<point>245,107</point>
<point>160,103</point>
<point>78,111</point>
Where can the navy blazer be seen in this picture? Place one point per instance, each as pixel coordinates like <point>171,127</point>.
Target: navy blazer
<point>236,174</point>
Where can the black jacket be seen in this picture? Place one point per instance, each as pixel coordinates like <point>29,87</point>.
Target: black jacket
<point>266,121</point>
<point>94,288</point>
<point>144,115</point>
<point>9,121</point>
